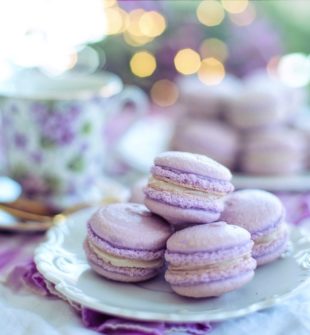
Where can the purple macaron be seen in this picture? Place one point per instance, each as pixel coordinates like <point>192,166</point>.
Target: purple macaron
<point>212,138</point>
<point>273,151</point>
<point>186,188</point>
<point>126,242</point>
<point>208,260</point>
<point>263,215</point>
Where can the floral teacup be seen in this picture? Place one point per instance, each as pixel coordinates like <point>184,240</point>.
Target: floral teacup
<point>53,132</point>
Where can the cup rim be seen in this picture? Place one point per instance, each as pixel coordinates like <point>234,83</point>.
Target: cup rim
<point>105,84</point>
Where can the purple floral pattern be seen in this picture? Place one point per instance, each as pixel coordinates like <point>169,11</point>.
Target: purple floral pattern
<point>53,147</point>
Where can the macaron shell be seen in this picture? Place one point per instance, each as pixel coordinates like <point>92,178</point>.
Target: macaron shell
<point>215,288</point>
<point>130,226</point>
<point>253,210</point>
<point>214,236</point>
<point>122,277</point>
<point>180,216</point>
<point>107,247</point>
<point>193,163</point>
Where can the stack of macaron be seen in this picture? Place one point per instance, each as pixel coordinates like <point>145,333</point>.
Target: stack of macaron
<point>243,124</point>
<point>186,188</point>
<point>211,238</point>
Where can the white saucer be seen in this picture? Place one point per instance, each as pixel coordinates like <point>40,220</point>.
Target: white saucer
<point>62,261</point>
<point>111,191</point>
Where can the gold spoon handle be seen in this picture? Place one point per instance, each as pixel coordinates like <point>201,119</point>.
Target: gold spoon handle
<point>28,205</point>
<point>24,215</point>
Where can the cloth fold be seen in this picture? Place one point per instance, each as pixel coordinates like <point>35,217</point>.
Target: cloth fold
<point>27,276</point>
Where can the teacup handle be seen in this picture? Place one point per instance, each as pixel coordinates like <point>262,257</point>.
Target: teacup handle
<point>136,102</point>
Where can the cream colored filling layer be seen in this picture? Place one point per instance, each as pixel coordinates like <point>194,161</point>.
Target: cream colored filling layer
<point>124,262</point>
<point>170,187</point>
<point>213,266</point>
<point>273,236</point>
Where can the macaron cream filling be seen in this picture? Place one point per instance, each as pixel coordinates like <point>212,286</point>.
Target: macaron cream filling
<point>162,185</point>
<point>223,270</point>
<point>191,180</point>
<point>183,200</point>
<point>176,258</point>
<point>123,262</point>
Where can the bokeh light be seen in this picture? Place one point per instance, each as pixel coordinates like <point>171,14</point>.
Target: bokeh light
<point>109,3</point>
<point>272,66</point>
<point>152,24</point>
<point>245,18</point>
<point>90,59</point>
<point>210,13</point>
<point>117,20</point>
<point>187,61</point>
<point>143,64</point>
<point>294,70</point>
<point>136,41</point>
<point>134,17</point>
<point>235,6</point>
<point>138,30</point>
<point>164,93</point>
<point>40,35</point>
<point>213,47</point>
<point>211,71</point>
<point>60,64</point>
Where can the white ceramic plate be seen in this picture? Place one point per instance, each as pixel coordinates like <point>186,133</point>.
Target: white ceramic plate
<point>62,261</point>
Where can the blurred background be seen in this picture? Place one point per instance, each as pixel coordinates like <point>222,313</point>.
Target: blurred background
<point>226,78</point>
<point>151,43</point>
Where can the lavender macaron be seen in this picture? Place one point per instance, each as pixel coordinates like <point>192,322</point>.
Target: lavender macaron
<point>263,215</point>
<point>186,188</point>
<point>212,138</point>
<point>273,151</point>
<point>126,242</point>
<point>209,260</point>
